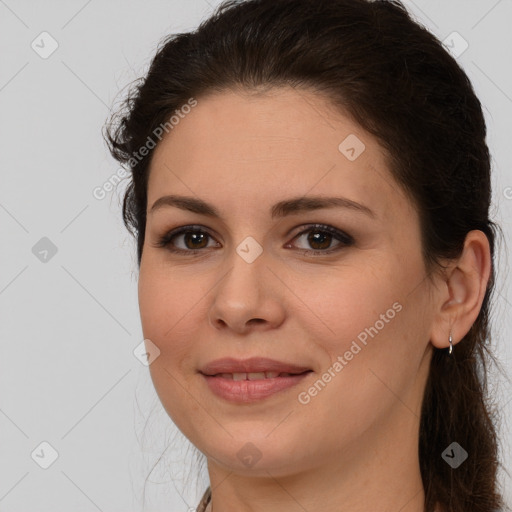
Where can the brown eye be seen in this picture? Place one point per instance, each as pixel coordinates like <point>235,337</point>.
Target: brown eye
<point>192,240</point>
<point>320,238</point>
<point>195,239</point>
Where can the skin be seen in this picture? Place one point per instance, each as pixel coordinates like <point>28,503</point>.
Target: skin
<point>355,442</point>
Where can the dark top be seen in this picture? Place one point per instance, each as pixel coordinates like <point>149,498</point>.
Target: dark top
<point>205,500</point>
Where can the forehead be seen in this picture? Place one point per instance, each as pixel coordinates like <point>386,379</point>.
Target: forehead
<point>243,147</point>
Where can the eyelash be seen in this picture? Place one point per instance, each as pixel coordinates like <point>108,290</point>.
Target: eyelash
<point>344,239</point>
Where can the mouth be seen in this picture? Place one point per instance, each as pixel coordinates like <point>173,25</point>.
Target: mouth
<point>254,368</point>
<point>249,387</point>
<point>243,381</point>
<point>238,376</point>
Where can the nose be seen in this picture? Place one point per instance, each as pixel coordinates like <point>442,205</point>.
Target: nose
<point>247,297</point>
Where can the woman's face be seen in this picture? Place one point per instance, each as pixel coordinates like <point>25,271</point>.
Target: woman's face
<point>356,311</point>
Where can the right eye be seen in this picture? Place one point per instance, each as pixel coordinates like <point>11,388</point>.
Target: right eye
<point>193,239</point>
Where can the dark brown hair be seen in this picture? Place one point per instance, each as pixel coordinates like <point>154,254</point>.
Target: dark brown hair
<point>395,79</point>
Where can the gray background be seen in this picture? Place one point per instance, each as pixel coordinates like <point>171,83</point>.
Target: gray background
<point>69,321</point>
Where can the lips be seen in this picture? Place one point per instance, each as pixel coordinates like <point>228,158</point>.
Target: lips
<point>246,381</point>
<point>254,368</point>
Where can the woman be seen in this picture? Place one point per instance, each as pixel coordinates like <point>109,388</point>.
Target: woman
<point>310,195</point>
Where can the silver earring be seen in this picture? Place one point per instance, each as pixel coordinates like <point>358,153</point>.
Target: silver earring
<point>451,344</point>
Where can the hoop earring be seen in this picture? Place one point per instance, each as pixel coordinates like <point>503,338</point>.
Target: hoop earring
<point>451,343</point>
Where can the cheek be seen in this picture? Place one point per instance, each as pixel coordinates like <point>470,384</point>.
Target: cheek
<point>373,317</point>
<point>168,311</point>
<point>342,303</point>
<point>166,306</point>
<point>372,335</point>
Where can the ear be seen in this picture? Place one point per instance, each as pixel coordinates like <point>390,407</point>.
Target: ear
<point>461,291</point>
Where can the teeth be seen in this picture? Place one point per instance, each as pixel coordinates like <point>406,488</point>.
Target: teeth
<point>253,375</point>
<point>256,376</point>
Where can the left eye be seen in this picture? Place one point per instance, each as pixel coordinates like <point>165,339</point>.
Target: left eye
<point>320,238</point>
<point>195,239</point>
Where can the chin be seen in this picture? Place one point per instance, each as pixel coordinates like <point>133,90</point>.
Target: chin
<point>254,455</point>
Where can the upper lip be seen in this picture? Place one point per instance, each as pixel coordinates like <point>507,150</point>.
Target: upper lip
<point>251,365</point>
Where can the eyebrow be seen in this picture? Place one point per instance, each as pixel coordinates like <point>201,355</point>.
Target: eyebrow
<point>280,209</point>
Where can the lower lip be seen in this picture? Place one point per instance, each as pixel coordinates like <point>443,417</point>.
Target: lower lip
<point>247,391</point>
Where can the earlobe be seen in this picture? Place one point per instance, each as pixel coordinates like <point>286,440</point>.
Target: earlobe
<point>463,291</point>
